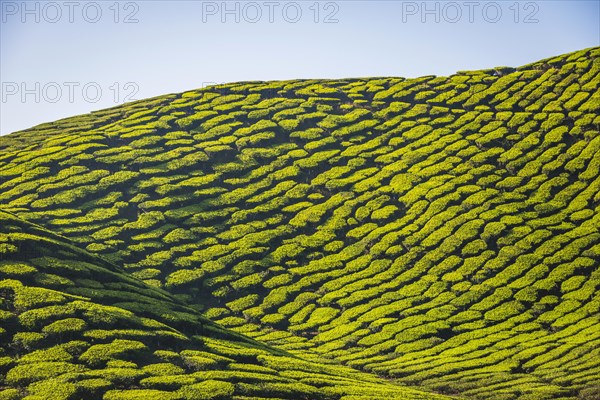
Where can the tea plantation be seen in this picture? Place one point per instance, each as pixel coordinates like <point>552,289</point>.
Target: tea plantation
<point>380,238</point>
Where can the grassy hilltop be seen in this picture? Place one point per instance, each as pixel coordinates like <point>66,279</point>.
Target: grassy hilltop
<point>384,238</point>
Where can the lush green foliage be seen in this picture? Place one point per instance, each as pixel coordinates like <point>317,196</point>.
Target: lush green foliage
<point>271,240</point>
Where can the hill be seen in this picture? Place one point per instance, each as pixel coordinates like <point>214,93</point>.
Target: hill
<point>312,239</point>
<point>75,326</point>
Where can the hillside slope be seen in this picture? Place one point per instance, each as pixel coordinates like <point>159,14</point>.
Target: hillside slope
<point>441,232</point>
<point>75,326</point>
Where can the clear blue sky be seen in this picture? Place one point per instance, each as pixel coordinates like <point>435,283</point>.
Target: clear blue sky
<point>53,50</point>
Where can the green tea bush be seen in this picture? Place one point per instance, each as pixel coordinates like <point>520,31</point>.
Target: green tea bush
<point>167,382</point>
<point>22,375</point>
<point>52,389</point>
<point>140,394</point>
<point>208,390</point>
<point>98,354</point>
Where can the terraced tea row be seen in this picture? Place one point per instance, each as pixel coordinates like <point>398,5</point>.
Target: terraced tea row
<point>441,232</point>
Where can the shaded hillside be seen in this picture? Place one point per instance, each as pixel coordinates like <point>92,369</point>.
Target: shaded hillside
<point>440,232</point>
<point>74,326</point>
